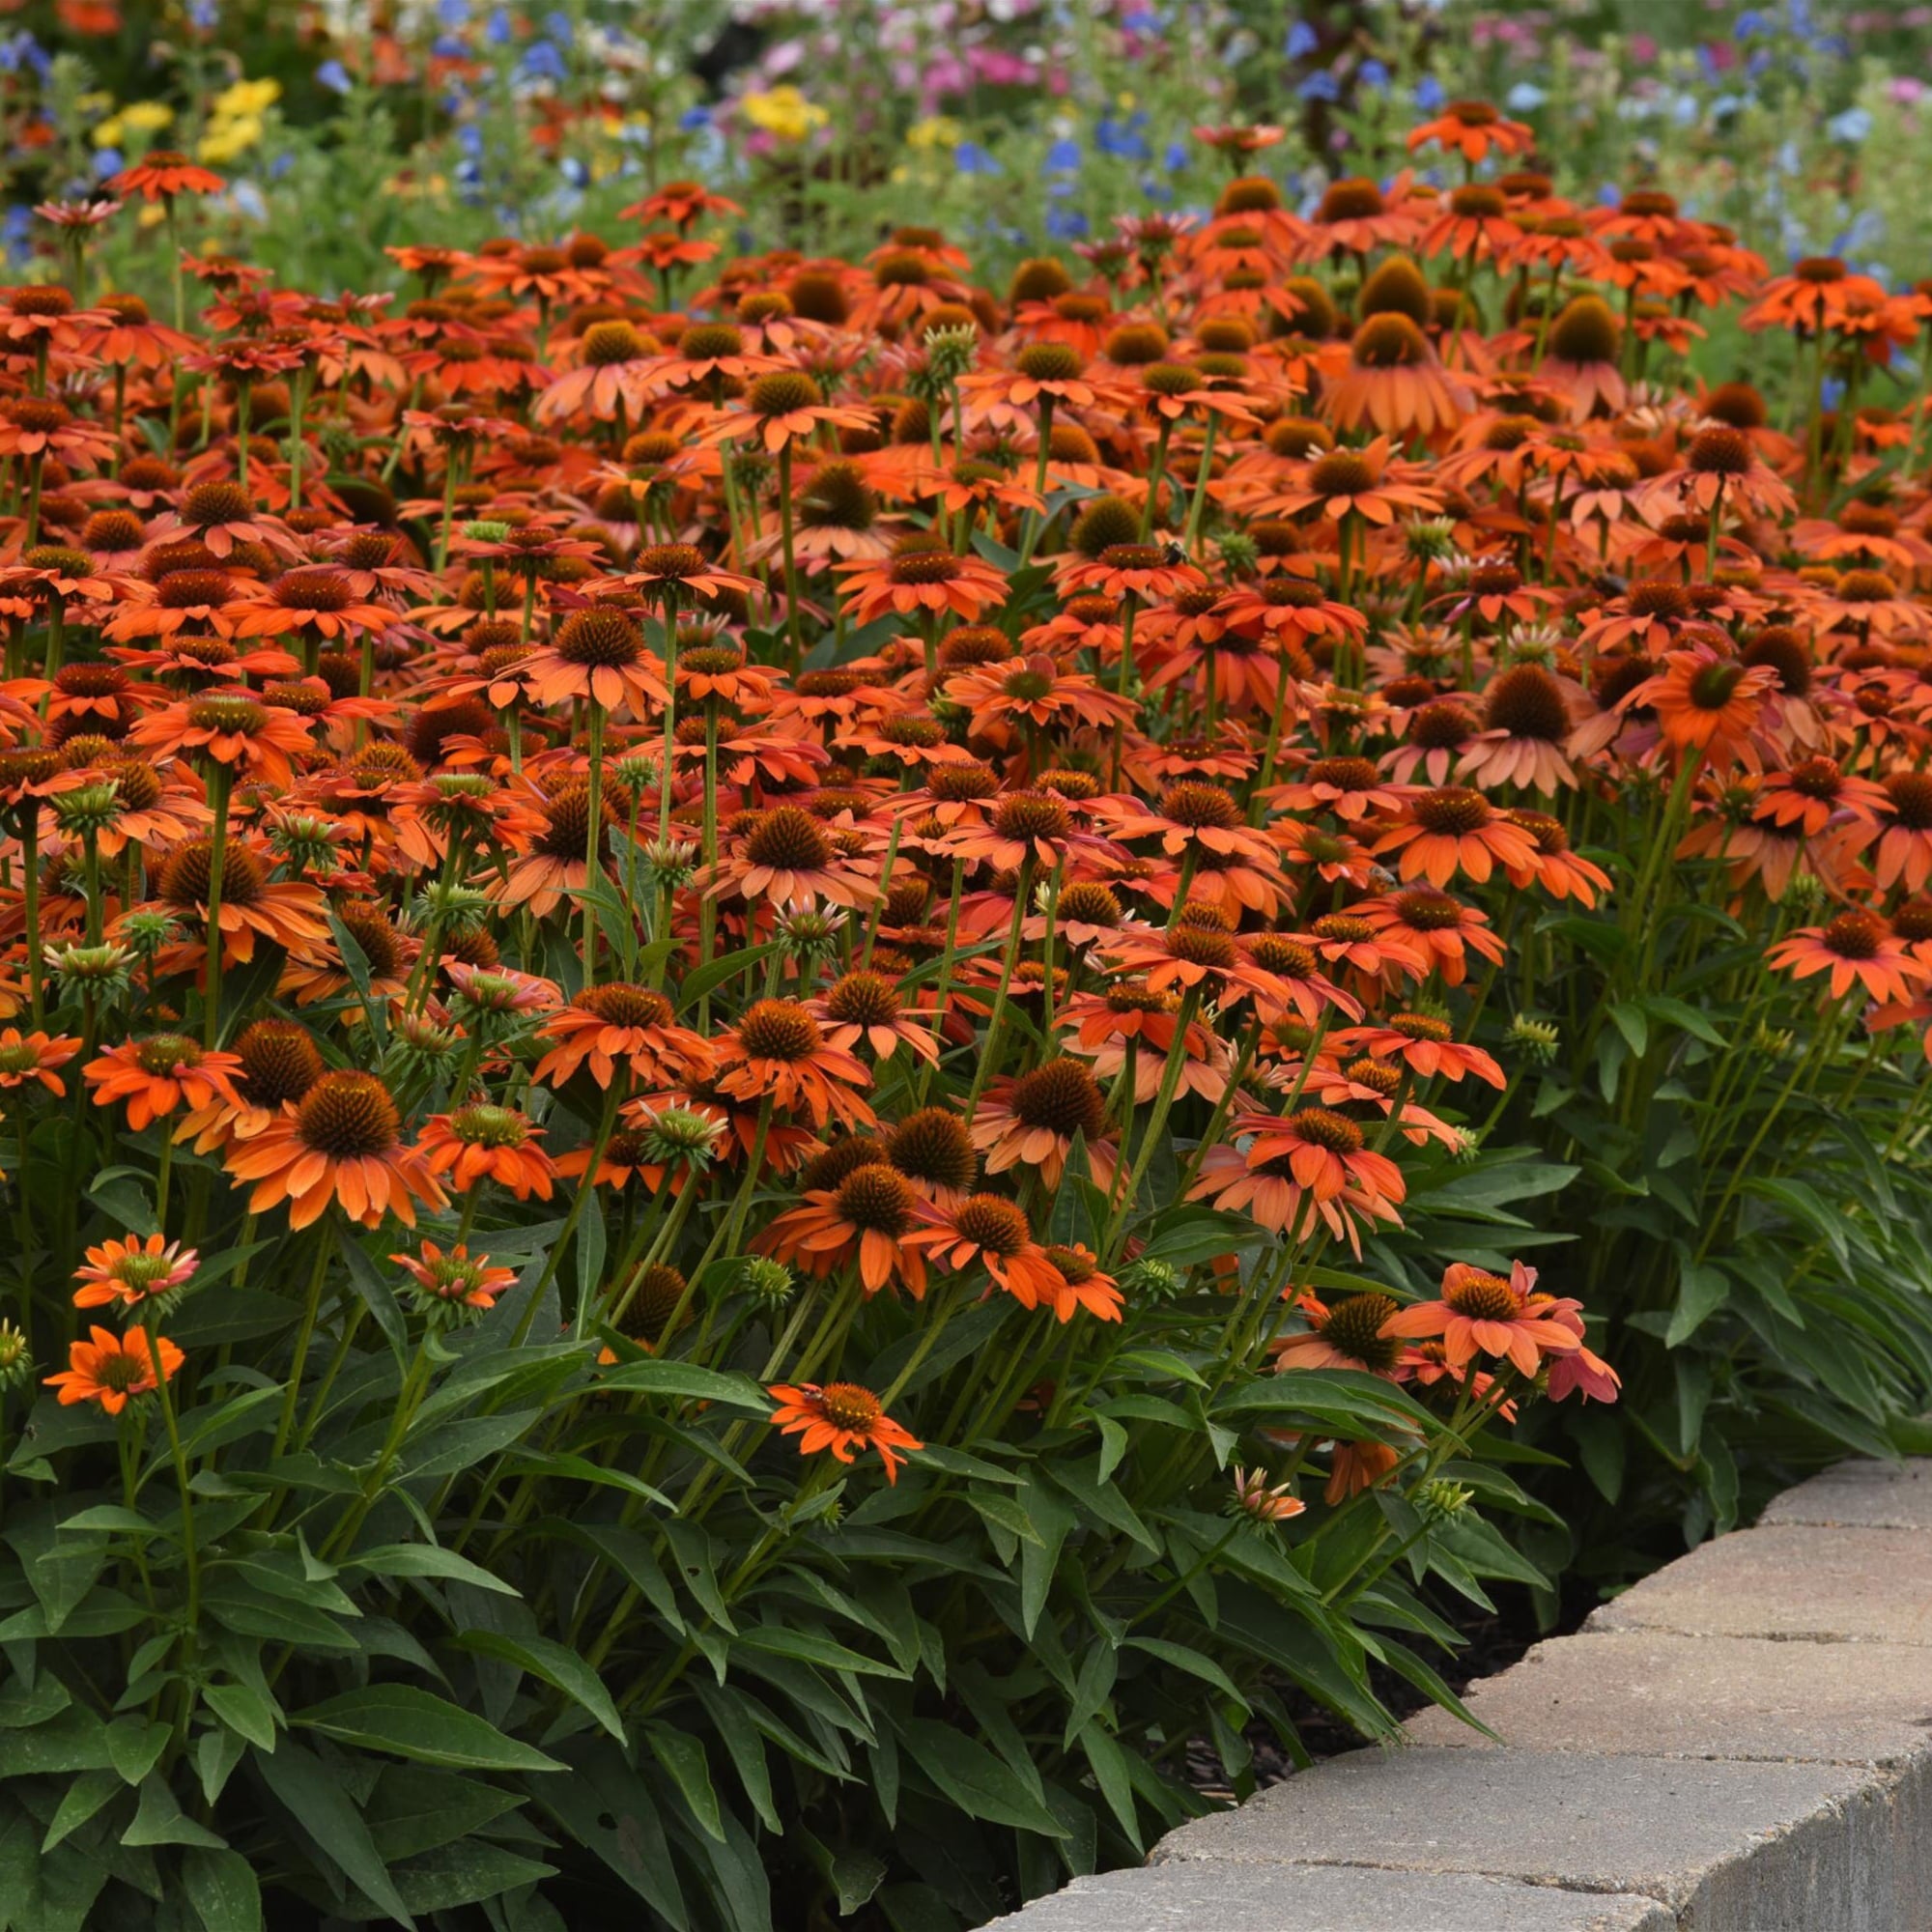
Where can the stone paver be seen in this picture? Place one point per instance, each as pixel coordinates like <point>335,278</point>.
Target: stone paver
<point>1650,1693</point>
<point>1860,1496</point>
<point>1788,1582</point>
<point>1729,1847</point>
<point>1742,1743</point>
<point>1325,1898</point>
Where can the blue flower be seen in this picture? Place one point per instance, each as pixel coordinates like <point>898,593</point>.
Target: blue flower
<point>1322,86</point>
<point>971,158</point>
<point>203,14</point>
<point>446,47</point>
<point>575,171</point>
<point>17,231</point>
<point>693,119</point>
<point>1525,98</point>
<point>1122,139</point>
<point>1749,24</point>
<point>1176,157</point>
<point>1153,188</point>
<point>557,24</point>
<point>1429,93</point>
<point>1853,125</point>
<point>498,32</point>
<point>451,13</point>
<point>1832,393</point>
<point>108,162</point>
<point>249,199</point>
<point>1372,75</point>
<point>1064,157</point>
<point>1609,194</point>
<point>334,76</point>
<point>542,60</point>
<point>1302,40</point>
<point>1066,224</point>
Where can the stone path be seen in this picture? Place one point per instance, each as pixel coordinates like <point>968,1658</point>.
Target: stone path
<point>1742,1743</point>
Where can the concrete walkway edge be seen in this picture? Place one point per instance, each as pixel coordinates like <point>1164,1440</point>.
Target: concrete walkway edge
<point>1741,1742</point>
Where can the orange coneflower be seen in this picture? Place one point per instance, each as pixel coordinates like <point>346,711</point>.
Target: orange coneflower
<point>1487,1314</point>
<point>1426,1045</point>
<point>866,1006</point>
<point>1562,874</point>
<point>787,857</point>
<point>1294,1174</point>
<point>156,1075</point>
<point>110,1369</point>
<point>1705,702</point>
<point>289,912</point>
<point>597,654</point>
<point>617,1024</point>
<point>1454,829</point>
<point>1441,928</point>
<point>128,1274</point>
<point>841,1417</point>
<point>456,1280</point>
<point>1345,1335</point>
<point>994,1232</point>
<point>1394,382</point>
<point>33,1057</point>
<point>867,1216</point>
<point>161,174</point>
<point>1473,128</point>
<point>1033,1120</point>
<point>1858,948</point>
<point>914,581</point>
<point>483,1142</point>
<point>778,1050</point>
<point>342,1144</point>
<point>232,728</point>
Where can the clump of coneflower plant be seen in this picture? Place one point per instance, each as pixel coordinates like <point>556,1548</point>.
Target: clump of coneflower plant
<point>799,1065</point>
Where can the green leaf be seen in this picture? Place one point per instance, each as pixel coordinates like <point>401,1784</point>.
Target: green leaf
<point>315,1796</point>
<point>220,1885</point>
<point>743,1741</point>
<point>557,1665</point>
<point>1115,1778</point>
<point>715,972</point>
<point>1702,1287</point>
<point>1630,1020</point>
<point>1681,1014</point>
<point>83,1799</point>
<point>464,1872</point>
<point>967,1772</point>
<point>813,1647</point>
<point>244,1711</point>
<point>134,1745</point>
<point>414,1810</point>
<point>427,1559</point>
<point>683,1757</point>
<point>1003,1512</point>
<point>688,1380</point>
<point>377,1294</point>
<point>855,1877</point>
<point>1195,1662</point>
<point>418,1725</point>
<point>158,1820</point>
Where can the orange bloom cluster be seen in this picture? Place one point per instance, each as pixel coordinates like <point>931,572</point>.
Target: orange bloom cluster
<point>866,755</point>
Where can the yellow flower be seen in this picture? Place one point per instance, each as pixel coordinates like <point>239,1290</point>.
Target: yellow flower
<point>229,139</point>
<point>149,116</point>
<point>936,130</point>
<point>109,133</point>
<point>782,111</point>
<point>246,100</point>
